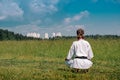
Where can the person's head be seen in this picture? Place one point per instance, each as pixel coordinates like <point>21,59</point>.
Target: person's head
<point>80,33</point>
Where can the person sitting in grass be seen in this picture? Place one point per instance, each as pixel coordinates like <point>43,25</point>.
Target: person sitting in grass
<point>80,54</point>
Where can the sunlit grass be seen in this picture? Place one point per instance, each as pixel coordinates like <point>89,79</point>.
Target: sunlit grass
<point>44,60</point>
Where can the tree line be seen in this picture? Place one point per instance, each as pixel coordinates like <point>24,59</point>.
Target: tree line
<point>9,35</point>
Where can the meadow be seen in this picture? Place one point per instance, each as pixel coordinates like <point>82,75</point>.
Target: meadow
<point>44,60</point>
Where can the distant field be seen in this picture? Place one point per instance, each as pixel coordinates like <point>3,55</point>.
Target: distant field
<point>44,60</point>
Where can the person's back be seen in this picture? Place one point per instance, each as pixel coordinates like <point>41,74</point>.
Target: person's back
<point>80,53</point>
<point>83,48</point>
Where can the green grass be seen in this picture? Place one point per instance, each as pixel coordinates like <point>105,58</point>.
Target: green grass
<point>44,60</point>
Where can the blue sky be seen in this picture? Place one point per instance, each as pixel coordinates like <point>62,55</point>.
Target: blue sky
<point>65,16</point>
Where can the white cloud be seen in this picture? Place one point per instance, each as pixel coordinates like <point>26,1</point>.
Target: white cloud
<point>24,29</point>
<point>2,17</point>
<point>68,30</point>
<point>37,22</point>
<point>44,6</point>
<point>76,17</point>
<point>10,9</point>
<point>72,28</point>
<point>67,20</point>
<point>81,15</point>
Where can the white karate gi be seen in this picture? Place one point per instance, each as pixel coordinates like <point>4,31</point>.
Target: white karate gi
<point>80,48</point>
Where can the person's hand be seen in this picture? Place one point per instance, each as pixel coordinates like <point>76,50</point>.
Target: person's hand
<point>66,59</point>
<point>89,59</point>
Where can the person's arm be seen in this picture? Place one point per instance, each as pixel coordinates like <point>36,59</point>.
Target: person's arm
<point>90,52</point>
<point>70,53</point>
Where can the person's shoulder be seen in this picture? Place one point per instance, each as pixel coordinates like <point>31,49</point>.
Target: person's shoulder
<point>75,42</point>
<point>86,41</point>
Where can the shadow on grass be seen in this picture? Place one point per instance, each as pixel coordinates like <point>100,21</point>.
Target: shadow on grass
<point>64,69</point>
<point>94,71</point>
<point>73,70</point>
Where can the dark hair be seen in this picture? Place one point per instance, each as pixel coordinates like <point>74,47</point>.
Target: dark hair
<point>80,33</point>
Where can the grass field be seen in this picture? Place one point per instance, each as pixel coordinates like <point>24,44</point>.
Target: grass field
<point>44,60</point>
